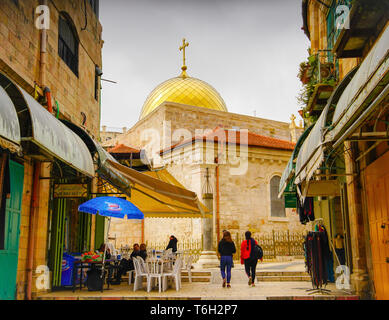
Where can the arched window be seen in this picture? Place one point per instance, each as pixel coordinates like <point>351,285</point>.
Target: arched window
<point>68,44</point>
<point>277,207</point>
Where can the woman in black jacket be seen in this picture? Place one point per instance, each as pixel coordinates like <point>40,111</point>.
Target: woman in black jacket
<point>143,251</point>
<point>172,244</point>
<point>226,249</point>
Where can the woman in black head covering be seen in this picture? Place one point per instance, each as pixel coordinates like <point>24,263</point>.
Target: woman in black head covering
<point>172,244</point>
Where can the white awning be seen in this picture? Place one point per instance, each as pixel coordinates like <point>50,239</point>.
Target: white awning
<point>9,123</point>
<point>289,171</point>
<point>52,136</point>
<point>365,86</point>
<point>311,154</point>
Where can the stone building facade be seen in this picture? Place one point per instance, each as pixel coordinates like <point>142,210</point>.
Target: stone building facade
<point>245,199</point>
<point>107,136</point>
<point>360,207</point>
<point>30,57</point>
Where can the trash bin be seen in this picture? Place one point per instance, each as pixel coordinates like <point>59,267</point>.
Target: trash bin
<point>67,270</point>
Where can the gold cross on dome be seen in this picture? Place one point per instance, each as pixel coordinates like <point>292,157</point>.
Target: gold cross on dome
<point>182,48</point>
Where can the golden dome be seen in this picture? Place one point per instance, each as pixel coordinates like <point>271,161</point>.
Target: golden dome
<point>185,90</point>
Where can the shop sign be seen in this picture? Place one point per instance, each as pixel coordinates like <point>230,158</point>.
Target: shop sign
<point>70,191</point>
<point>290,200</point>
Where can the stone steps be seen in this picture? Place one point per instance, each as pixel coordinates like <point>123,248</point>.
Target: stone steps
<point>196,279</point>
<point>276,276</point>
<point>197,276</point>
<point>197,273</point>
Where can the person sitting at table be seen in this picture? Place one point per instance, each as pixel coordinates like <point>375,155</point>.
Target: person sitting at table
<point>143,252</point>
<point>172,244</point>
<point>126,264</point>
<point>107,251</point>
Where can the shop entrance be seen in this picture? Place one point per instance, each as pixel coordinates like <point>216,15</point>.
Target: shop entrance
<point>70,230</point>
<point>11,192</point>
<point>377,189</point>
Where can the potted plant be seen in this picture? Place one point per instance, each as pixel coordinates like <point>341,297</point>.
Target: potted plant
<point>303,74</point>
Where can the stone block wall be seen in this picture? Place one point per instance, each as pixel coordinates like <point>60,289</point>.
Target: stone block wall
<point>169,117</point>
<point>20,60</point>
<point>20,56</point>
<point>40,232</point>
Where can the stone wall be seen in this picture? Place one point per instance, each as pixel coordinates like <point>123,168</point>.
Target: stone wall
<point>20,56</point>
<point>245,198</point>
<point>20,60</point>
<point>159,129</point>
<point>40,231</point>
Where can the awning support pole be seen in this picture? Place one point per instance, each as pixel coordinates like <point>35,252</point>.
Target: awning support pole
<point>105,248</point>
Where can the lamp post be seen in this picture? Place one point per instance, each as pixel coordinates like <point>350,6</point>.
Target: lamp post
<point>208,257</point>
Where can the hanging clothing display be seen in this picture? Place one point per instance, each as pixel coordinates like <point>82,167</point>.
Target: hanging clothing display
<point>318,257</point>
<point>306,210</point>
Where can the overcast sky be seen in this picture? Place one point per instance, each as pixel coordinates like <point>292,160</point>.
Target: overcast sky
<point>249,50</point>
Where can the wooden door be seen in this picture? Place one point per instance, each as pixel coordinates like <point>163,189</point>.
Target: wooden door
<point>377,189</point>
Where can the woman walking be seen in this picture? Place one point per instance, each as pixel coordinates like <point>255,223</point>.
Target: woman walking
<point>247,257</point>
<point>226,249</point>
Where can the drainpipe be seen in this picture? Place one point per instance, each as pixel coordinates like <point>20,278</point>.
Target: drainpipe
<point>33,213</point>
<point>48,98</point>
<point>42,65</point>
<point>43,52</point>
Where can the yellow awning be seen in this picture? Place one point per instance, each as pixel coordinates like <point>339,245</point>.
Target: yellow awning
<point>159,195</point>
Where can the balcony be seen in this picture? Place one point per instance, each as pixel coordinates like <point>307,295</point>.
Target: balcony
<point>319,77</point>
<point>364,21</point>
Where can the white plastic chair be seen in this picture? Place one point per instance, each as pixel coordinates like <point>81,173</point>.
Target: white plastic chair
<point>156,272</point>
<point>130,273</point>
<point>176,274</point>
<point>143,265</point>
<point>139,274</point>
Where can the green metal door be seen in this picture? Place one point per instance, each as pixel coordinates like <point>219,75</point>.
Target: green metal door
<point>84,231</point>
<point>10,249</point>
<point>99,231</point>
<point>57,240</point>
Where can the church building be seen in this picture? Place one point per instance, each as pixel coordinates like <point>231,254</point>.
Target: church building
<point>185,128</point>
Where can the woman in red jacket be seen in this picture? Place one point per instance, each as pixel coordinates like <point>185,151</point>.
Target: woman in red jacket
<point>246,258</point>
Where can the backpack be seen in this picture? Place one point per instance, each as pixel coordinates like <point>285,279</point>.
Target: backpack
<point>257,251</point>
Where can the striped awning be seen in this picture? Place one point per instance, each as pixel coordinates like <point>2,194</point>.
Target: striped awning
<point>368,87</point>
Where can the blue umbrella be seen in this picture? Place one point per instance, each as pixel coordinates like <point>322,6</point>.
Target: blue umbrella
<point>111,207</point>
